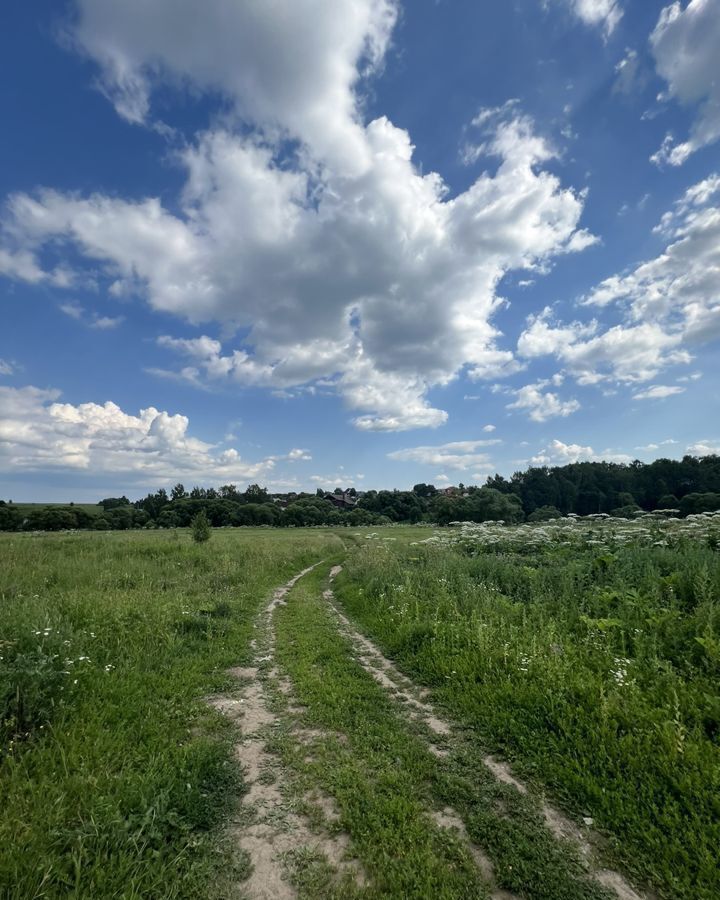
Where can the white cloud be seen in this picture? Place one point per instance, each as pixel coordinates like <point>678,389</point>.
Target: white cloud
<point>541,404</point>
<point>298,455</point>
<point>72,309</point>
<point>489,428</point>
<point>455,455</point>
<point>679,287</point>
<point>669,304</point>
<point>685,46</point>
<point>342,259</point>
<point>604,14</point>
<point>6,368</point>
<point>648,448</point>
<point>292,67</point>
<point>542,338</point>
<point>105,323</point>
<point>37,432</point>
<point>23,265</point>
<point>341,480</point>
<point>658,392</point>
<point>558,453</point>
<point>628,74</point>
<point>624,352</point>
<point>704,448</point>
<point>102,323</point>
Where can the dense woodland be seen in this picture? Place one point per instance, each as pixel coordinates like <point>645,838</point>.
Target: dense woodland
<point>690,485</point>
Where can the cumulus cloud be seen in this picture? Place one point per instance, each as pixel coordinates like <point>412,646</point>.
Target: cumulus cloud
<point>455,455</point>
<point>541,404</point>
<point>291,67</point>
<point>558,453</point>
<point>23,265</point>
<point>626,353</point>
<point>341,479</point>
<point>298,455</point>
<point>685,46</point>
<point>658,392</point>
<point>313,231</point>
<point>669,304</point>
<point>604,14</point>
<point>38,432</point>
<point>678,289</point>
<point>705,448</point>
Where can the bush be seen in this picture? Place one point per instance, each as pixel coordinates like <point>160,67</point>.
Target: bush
<point>544,514</point>
<point>200,528</point>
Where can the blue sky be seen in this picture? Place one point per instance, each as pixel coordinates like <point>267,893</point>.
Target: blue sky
<point>335,242</point>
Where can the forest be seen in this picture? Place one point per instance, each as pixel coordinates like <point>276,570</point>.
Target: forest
<point>687,486</point>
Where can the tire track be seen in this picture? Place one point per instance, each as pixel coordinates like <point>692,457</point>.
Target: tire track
<point>268,827</point>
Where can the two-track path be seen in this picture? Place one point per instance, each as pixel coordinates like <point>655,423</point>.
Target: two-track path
<point>282,820</point>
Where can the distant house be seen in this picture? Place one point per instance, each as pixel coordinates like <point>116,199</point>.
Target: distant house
<point>343,500</point>
<point>284,500</point>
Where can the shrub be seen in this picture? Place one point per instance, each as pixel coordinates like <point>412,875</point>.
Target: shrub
<point>200,528</point>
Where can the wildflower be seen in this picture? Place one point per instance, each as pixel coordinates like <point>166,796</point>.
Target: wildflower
<point>620,670</point>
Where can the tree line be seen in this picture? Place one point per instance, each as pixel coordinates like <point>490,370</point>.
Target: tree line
<point>687,486</point>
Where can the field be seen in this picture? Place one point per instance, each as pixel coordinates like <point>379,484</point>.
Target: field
<point>93,509</point>
<point>479,711</point>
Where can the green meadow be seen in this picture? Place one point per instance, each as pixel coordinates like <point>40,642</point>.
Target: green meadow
<point>586,654</point>
<point>114,774</point>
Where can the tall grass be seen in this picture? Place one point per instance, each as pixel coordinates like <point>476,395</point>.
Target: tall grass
<point>595,669</point>
<point>113,771</point>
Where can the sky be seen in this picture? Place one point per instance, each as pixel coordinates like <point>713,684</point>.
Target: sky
<point>320,243</point>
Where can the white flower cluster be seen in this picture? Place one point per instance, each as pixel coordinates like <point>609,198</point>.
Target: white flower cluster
<point>656,529</point>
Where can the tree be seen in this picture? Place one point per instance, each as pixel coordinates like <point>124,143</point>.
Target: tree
<point>699,503</point>
<point>544,514</point>
<point>256,494</point>
<point>113,502</point>
<point>122,517</point>
<point>50,518</point>
<point>168,518</point>
<point>200,526</point>
<point>178,492</point>
<point>10,518</point>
